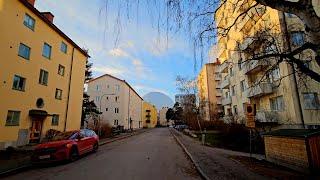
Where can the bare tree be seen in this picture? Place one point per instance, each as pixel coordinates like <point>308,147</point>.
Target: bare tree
<point>196,17</point>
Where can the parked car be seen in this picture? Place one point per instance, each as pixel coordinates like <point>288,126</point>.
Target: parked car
<point>181,127</point>
<point>66,146</point>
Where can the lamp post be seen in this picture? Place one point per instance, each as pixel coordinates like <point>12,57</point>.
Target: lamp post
<point>110,94</point>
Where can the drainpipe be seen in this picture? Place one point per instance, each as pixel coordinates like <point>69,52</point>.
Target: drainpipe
<point>69,87</point>
<point>295,84</point>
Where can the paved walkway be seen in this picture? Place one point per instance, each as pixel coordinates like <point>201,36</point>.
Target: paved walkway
<point>216,163</point>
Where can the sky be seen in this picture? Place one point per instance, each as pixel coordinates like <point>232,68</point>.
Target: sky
<point>132,48</point>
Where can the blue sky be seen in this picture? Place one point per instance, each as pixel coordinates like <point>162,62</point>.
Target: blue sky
<point>134,51</point>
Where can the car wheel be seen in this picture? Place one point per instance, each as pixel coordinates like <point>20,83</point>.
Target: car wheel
<point>95,147</point>
<point>73,154</point>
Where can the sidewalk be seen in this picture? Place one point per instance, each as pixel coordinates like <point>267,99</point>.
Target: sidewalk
<point>215,163</point>
<point>121,136</point>
<point>23,161</point>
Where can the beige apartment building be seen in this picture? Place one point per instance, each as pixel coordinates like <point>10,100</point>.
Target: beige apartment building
<point>41,73</point>
<point>119,103</point>
<point>209,92</point>
<point>277,95</point>
<point>162,116</point>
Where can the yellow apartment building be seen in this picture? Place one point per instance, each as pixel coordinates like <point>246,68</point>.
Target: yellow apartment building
<point>209,92</point>
<point>278,97</point>
<point>149,115</point>
<point>41,75</point>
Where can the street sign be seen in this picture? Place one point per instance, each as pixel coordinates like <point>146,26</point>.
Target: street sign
<point>250,116</point>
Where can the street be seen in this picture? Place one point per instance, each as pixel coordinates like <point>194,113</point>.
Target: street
<point>150,155</point>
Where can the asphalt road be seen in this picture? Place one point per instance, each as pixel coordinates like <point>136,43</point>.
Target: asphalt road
<point>150,155</point>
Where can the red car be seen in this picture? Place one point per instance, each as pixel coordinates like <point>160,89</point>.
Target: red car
<point>66,146</point>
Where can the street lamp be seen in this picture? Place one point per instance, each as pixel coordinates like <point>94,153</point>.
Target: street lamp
<point>110,94</point>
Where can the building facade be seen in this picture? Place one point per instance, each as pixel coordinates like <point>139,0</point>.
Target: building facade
<point>119,103</point>
<point>209,92</point>
<point>162,116</point>
<point>186,100</point>
<point>272,87</point>
<point>42,75</point>
<point>149,115</point>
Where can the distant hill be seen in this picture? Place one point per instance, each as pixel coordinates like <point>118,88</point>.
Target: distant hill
<point>158,99</point>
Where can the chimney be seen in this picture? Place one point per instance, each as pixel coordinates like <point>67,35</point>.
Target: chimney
<point>48,15</point>
<point>217,60</point>
<point>31,2</point>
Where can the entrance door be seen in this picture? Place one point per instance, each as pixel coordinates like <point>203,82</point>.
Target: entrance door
<point>36,131</point>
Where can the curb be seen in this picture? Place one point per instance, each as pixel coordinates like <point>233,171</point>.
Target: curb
<point>195,163</point>
<point>15,170</point>
<point>120,138</point>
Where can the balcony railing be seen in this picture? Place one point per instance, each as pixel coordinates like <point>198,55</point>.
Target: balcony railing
<point>218,92</point>
<point>224,67</point>
<point>217,77</point>
<point>260,89</point>
<point>219,100</point>
<point>226,101</point>
<point>254,66</point>
<point>267,116</point>
<point>226,82</point>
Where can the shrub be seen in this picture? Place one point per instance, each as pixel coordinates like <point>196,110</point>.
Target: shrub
<point>106,130</point>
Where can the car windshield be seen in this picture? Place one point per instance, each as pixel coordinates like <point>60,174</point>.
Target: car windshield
<point>63,136</point>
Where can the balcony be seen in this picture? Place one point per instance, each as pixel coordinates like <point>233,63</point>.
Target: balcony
<point>254,66</point>
<point>260,90</point>
<point>224,67</point>
<point>226,101</point>
<point>267,116</point>
<point>226,82</point>
<point>217,77</point>
<point>218,92</point>
<point>219,100</point>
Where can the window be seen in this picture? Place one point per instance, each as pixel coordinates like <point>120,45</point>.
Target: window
<point>18,83</point>
<point>117,88</point>
<point>58,94</point>
<point>29,22</point>
<point>97,98</point>
<point>116,122</point>
<point>107,109</point>
<point>231,71</point>
<point>46,51</point>
<point>274,74</point>
<point>116,98</point>
<point>116,110</point>
<point>13,118</point>
<point>233,92</point>
<point>63,47</point>
<point>240,64</point>
<point>311,101</point>
<point>108,86</point>
<point>277,104</point>
<point>24,51</point>
<point>43,78</point>
<point>243,85</point>
<point>55,120</point>
<point>98,87</point>
<point>235,109</point>
<point>61,70</point>
<point>297,38</point>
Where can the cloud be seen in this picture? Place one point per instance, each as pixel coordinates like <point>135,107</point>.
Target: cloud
<point>116,71</point>
<point>117,52</point>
